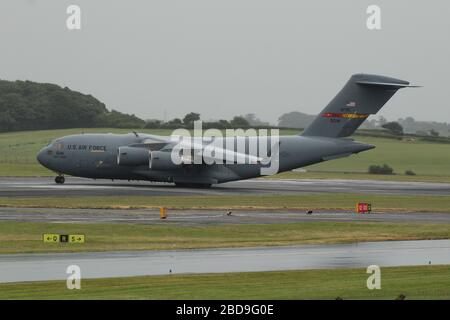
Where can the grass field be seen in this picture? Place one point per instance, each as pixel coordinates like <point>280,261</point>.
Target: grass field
<point>423,158</point>
<point>295,175</point>
<point>315,201</point>
<point>430,161</point>
<point>428,282</point>
<point>26,237</point>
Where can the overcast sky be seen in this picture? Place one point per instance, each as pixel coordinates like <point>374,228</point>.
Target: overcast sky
<point>226,57</point>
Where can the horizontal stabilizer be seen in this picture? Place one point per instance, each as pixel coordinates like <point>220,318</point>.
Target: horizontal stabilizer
<point>387,84</point>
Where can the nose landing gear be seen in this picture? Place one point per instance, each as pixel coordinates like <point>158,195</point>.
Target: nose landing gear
<point>60,179</point>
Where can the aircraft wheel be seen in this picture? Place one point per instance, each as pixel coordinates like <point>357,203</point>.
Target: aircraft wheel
<point>181,185</point>
<point>203,185</point>
<point>60,179</point>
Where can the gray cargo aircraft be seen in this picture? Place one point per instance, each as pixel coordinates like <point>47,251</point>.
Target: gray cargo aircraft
<point>148,157</point>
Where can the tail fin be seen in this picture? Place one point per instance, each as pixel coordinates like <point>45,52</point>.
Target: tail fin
<point>363,95</point>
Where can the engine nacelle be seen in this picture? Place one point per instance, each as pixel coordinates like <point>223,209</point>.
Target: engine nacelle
<point>160,160</point>
<point>131,156</point>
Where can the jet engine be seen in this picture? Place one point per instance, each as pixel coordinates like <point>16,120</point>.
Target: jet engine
<point>161,160</point>
<point>132,156</point>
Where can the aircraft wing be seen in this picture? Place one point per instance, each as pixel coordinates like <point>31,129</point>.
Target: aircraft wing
<point>212,153</point>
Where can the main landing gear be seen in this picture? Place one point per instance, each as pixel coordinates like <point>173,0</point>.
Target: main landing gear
<point>60,179</point>
<point>193,185</point>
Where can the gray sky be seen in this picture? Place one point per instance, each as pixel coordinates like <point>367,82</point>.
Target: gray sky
<point>226,57</point>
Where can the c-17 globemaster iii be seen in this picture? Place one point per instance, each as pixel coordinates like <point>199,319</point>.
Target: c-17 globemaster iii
<point>149,157</point>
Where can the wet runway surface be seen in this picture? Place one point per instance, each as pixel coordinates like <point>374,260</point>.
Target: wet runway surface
<point>37,267</point>
<point>45,187</point>
<point>206,217</point>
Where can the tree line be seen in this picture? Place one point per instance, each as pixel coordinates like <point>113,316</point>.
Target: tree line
<point>188,120</point>
<point>26,105</point>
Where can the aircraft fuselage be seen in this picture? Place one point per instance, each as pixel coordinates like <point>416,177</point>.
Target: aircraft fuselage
<point>96,156</point>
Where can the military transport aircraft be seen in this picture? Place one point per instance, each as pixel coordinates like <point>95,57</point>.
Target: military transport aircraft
<point>138,156</point>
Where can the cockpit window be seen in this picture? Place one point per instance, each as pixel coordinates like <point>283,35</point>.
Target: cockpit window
<point>56,144</point>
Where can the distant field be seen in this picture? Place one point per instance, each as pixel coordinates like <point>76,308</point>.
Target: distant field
<point>430,161</point>
<point>424,158</point>
<point>327,201</point>
<point>427,282</point>
<point>26,237</point>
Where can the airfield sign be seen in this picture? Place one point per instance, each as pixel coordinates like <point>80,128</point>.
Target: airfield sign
<point>63,238</point>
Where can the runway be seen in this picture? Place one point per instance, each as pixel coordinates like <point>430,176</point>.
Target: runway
<point>39,267</point>
<point>75,187</point>
<point>208,217</point>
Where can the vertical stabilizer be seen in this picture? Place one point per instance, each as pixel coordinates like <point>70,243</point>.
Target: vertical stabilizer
<point>362,95</point>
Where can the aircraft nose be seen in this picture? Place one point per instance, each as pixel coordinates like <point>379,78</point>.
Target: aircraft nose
<point>41,157</point>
